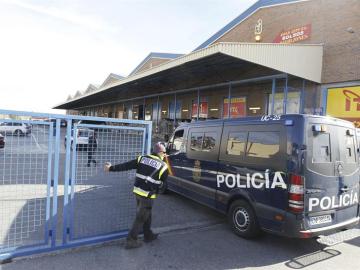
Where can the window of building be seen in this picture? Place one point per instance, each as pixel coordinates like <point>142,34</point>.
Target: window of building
<point>203,109</point>
<point>264,144</point>
<point>236,143</point>
<point>292,104</point>
<point>237,107</point>
<point>178,109</point>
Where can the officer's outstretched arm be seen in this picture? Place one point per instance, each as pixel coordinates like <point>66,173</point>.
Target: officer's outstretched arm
<point>130,165</point>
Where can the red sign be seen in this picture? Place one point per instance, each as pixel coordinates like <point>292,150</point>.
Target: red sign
<point>203,110</point>
<point>237,108</point>
<point>294,35</point>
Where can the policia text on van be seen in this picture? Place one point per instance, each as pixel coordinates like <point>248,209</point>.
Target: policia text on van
<point>317,156</point>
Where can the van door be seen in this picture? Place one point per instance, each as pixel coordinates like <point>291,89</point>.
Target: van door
<point>331,174</point>
<point>176,159</point>
<point>253,151</point>
<point>201,164</point>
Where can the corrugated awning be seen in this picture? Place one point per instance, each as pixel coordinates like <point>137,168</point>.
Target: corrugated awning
<point>303,61</point>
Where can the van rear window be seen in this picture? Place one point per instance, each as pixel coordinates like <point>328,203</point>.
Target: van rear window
<point>348,152</point>
<point>265,144</point>
<point>321,148</point>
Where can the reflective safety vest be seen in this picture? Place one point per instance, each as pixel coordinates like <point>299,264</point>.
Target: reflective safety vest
<point>151,171</point>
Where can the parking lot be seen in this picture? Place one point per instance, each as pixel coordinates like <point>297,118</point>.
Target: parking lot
<point>191,236</point>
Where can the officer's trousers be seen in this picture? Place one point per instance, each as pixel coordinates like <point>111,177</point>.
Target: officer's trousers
<point>142,219</point>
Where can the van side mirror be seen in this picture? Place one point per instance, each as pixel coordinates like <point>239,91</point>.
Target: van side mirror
<point>166,137</point>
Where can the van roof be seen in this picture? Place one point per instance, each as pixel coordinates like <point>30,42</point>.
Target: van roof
<point>259,119</point>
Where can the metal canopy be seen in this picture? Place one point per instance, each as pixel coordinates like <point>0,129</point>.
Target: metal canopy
<point>221,62</point>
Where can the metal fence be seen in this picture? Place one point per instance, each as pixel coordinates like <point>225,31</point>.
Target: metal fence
<point>54,193</point>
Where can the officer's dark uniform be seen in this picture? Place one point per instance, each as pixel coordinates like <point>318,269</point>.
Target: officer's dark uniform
<point>92,145</point>
<point>151,172</point>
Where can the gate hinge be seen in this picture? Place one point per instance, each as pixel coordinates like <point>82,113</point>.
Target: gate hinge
<point>52,183</point>
<point>50,233</point>
<point>69,181</point>
<point>68,230</point>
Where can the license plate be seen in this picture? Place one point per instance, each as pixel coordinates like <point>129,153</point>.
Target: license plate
<point>320,220</point>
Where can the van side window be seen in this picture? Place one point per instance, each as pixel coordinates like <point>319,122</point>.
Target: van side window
<point>321,148</point>
<point>263,144</point>
<point>203,141</point>
<point>196,141</point>
<point>236,143</point>
<point>209,141</point>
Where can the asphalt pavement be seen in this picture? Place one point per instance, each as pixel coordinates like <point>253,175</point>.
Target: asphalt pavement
<point>191,236</point>
<point>207,245</point>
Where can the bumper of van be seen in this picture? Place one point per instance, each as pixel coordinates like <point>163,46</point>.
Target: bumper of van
<point>342,225</point>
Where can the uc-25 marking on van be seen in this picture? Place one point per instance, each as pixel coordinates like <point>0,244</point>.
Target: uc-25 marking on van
<point>317,157</point>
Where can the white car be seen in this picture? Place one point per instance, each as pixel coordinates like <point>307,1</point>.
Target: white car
<point>82,139</point>
<point>19,129</point>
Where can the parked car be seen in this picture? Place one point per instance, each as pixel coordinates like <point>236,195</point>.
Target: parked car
<point>234,166</point>
<point>2,141</point>
<point>95,124</point>
<point>12,128</point>
<point>82,138</point>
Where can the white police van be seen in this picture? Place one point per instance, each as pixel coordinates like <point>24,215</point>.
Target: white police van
<point>292,175</point>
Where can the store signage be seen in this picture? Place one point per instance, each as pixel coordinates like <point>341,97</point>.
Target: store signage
<point>203,110</point>
<point>294,35</point>
<point>258,27</point>
<point>237,108</point>
<point>344,103</point>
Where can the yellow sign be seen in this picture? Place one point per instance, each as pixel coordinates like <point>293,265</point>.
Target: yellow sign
<point>344,102</point>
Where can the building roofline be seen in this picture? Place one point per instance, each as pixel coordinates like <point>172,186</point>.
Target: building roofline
<point>111,75</point>
<point>155,55</point>
<point>308,56</point>
<point>243,16</point>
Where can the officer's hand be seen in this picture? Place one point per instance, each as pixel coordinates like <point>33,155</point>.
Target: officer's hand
<point>107,166</point>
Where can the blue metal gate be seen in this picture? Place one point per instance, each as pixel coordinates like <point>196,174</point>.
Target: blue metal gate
<point>54,193</point>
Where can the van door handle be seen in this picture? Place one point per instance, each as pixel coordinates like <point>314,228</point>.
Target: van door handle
<point>345,189</point>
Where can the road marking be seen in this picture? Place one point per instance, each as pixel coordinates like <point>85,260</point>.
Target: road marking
<point>37,144</point>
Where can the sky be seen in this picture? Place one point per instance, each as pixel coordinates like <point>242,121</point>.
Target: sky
<point>52,49</point>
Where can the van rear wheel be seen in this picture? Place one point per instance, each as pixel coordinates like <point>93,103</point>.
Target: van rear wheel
<point>242,219</point>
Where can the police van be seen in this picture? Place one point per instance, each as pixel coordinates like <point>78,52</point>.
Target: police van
<point>292,175</point>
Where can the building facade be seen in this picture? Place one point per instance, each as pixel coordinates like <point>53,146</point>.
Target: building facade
<point>277,57</point>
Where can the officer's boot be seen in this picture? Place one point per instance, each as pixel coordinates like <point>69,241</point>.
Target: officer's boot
<point>132,243</point>
<point>150,237</point>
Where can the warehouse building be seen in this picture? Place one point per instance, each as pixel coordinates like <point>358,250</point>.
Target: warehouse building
<point>277,57</point>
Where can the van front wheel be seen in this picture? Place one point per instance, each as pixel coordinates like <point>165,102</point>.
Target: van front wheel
<point>243,220</point>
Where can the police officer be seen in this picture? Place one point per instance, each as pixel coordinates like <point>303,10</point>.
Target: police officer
<point>92,145</point>
<point>151,172</point>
